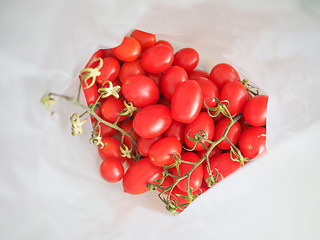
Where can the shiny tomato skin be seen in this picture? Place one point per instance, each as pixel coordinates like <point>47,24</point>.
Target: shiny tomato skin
<point>210,90</point>
<point>91,94</point>
<point>111,149</point>
<point>202,122</point>
<point>105,130</point>
<point>197,73</point>
<point>176,130</point>
<point>223,73</point>
<point>131,68</point>
<point>255,111</point>
<point>166,43</point>
<point>128,50</point>
<point>161,152</point>
<point>138,175</point>
<point>196,176</point>
<point>236,94</point>
<point>144,144</point>
<point>109,70</point>
<point>145,39</point>
<point>157,58</point>
<point>170,80</point>
<point>111,170</point>
<point>233,135</point>
<point>111,109</point>
<point>186,101</point>
<point>187,58</point>
<point>252,142</point>
<point>140,90</point>
<point>152,121</point>
<point>156,77</point>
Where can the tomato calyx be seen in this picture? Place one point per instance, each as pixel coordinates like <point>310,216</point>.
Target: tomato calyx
<point>91,73</point>
<point>239,158</point>
<point>221,107</point>
<point>110,90</point>
<point>212,180</point>
<point>77,124</point>
<point>198,138</point>
<point>250,88</point>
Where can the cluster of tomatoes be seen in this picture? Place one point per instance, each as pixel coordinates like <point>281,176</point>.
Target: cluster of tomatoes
<point>160,123</point>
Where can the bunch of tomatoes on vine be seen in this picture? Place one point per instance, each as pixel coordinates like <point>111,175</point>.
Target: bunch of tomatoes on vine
<point>161,124</point>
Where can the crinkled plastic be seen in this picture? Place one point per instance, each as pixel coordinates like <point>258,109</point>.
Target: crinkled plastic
<point>50,183</point>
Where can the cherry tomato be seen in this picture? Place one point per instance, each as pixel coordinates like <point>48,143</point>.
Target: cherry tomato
<point>131,68</point>
<point>144,144</point>
<point>111,109</point>
<point>223,73</point>
<point>109,70</point>
<point>186,101</point>
<point>111,170</point>
<point>187,58</point>
<point>244,125</point>
<point>195,177</point>
<point>233,134</point>
<point>145,39</point>
<point>91,94</point>
<point>126,125</point>
<point>215,152</point>
<point>255,112</point>
<point>197,73</point>
<point>166,43</point>
<point>156,77</point>
<point>105,130</point>
<point>107,53</point>
<point>165,102</point>
<point>168,181</point>
<point>157,58</point>
<point>128,50</point>
<point>203,122</point>
<point>252,142</point>
<point>139,174</point>
<point>236,94</point>
<point>224,164</point>
<point>209,90</point>
<point>152,121</point>
<point>140,90</point>
<point>176,130</point>
<point>170,80</point>
<point>97,54</point>
<point>111,149</point>
<point>161,152</point>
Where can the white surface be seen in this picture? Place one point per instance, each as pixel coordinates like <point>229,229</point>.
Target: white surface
<point>49,180</point>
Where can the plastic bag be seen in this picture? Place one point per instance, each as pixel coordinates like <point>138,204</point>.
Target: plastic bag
<point>50,180</point>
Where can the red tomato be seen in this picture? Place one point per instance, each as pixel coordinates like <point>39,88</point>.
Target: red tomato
<point>168,181</point>
<point>252,142</point>
<point>161,152</point>
<point>255,112</point>
<point>233,134</point>
<point>109,70</point>
<point>152,121</point>
<point>209,90</point>
<point>157,58</point>
<point>97,54</point>
<point>224,164</point>
<point>91,94</point>
<point>244,125</point>
<point>140,90</point>
<point>166,43</point>
<point>236,94</point>
<point>223,73</point>
<point>111,109</point>
<point>196,176</point>
<point>156,77</point>
<point>107,53</point>
<point>202,122</point>
<point>137,177</point>
<point>105,130</point>
<point>176,130</point>
<point>111,170</point>
<point>131,68</point>
<point>186,101</point>
<point>111,149</point>
<point>145,39</point>
<point>128,50</point>
<point>187,58</point>
<point>144,145</point>
<point>197,73</point>
<point>164,101</point>
<point>176,194</point>
<point>127,126</point>
<point>170,80</point>
<point>215,152</point>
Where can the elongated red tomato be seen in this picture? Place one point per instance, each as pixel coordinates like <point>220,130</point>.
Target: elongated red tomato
<point>140,90</point>
<point>105,130</point>
<point>91,94</point>
<point>111,109</point>
<point>236,94</point>
<point>144,145</point>
<point>109,70</point>
<point>215,152</point>
<point>170,80</point>
<point>187,58</point>
<point>209,90</point>
<point>157,58</point>
<point>233,135</point>
<point>152,121</point>
<point>164,42</point>
<point>145,39</point>
<point>186,101</point>
<point>223,73</point>
<point>176,130</point>
<point>252,142</point>
<point>111,149</point>
<point>128,50</point>
<point>196,176</point>
<point>197,73</point>
<point>202,123</point>
<point>139,174</point>
<point>131,68</point>
<point>255,112</point>
<point>111,170</point>
<point>126,125</point>
<point>161,152</point>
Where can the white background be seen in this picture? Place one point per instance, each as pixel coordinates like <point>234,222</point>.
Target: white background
<point>50,186</point>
